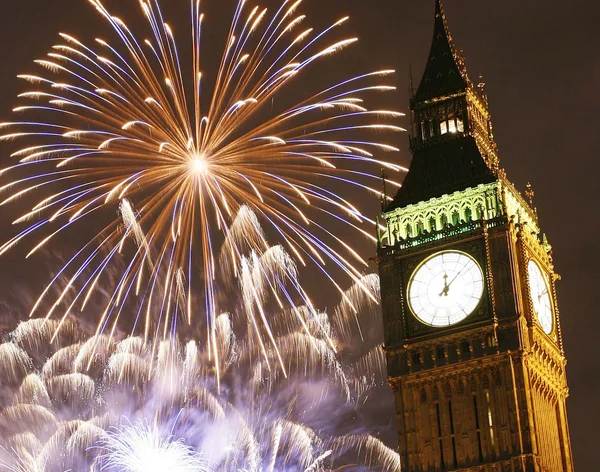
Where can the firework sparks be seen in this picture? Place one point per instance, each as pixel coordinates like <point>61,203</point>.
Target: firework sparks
<point>119,405</point>
<point>142,448</point>
<point>122,130</point>
<point>85,401</point>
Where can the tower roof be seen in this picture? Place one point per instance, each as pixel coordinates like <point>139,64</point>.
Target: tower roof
<point>444,73</point>
<point>452,140</point>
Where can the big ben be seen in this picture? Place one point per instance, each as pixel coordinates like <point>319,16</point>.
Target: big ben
<point>472,329</point>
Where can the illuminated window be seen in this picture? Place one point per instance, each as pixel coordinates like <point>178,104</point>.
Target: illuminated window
<point>452,126</point>
<point>490,340</point>
<point>443,127</point>
<point>460,125</point>
<point>491,423</point>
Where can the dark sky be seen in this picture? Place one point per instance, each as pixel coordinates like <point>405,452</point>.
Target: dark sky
<point>542,68</point>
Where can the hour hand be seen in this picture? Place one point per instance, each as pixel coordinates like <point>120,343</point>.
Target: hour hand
<point>446,286</point>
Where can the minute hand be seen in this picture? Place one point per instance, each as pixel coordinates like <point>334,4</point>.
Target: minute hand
<point>459,272</point>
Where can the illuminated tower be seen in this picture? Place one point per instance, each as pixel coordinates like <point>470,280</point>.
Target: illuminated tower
<point>472,329</point>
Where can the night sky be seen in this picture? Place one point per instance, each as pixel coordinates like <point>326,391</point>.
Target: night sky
<point>541,65</point>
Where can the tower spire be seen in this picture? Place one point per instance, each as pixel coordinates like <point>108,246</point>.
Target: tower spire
<point>451,130</point>
<point>445,72</point>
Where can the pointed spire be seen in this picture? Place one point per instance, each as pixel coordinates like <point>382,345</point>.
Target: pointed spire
<point>444,73</point>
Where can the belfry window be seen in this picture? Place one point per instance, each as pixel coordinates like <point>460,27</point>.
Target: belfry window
<point>443,127</point>
<point>451,126</point>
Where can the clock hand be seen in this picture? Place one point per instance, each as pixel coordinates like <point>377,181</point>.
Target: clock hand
<point>459,272</point>
<point>446,286</point>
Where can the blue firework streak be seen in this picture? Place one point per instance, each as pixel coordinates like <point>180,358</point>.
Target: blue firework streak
<point>125,130</point>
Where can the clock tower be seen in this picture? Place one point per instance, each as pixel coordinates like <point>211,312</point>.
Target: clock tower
<point>472,329</point>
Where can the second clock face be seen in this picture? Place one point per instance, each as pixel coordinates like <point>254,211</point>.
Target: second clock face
<point>538,287</point>
<point>445,288</point>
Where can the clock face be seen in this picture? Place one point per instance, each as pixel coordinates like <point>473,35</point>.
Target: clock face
<point>540,297</point>
<point>445,288</point>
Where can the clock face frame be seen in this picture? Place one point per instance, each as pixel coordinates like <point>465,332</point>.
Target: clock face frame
<point>445,288</point>
<point>539,292</point>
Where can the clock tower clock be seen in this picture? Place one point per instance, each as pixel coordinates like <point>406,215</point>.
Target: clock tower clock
<point>472,330</point>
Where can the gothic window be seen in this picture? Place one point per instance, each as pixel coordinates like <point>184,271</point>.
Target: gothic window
<point>444,221</point>
<point>420,227</point>
<point>460,126</point>
<point>409,230</point>
<point>498,378</point>
<point>461,387</point>
<point>423,396</point>
<point>441,445</point>
<point>489,414</point>
<point>432,223</point>
<point>454,459</point>
<point>476,411</point>
<point>440,353</point>
<point>468,214</point>
<point>416,358</point>
<point>455,217</point>
<point>465,347</point>
<point>486,382</point>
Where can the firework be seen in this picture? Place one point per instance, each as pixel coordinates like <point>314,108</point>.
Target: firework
<point>142,448</point>
<point>111,403</point>
<point>120,126</point>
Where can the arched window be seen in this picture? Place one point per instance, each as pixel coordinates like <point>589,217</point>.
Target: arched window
<point>420,227</point>
<point>432,223</point>
<point>455,217</point>
<point>444,220</point>
<point>409,230</point>
<point>468,214</point>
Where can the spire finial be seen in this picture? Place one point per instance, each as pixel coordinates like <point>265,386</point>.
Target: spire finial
<point>384,195</point>
<point>438,7</point>
<point>529,193</point>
